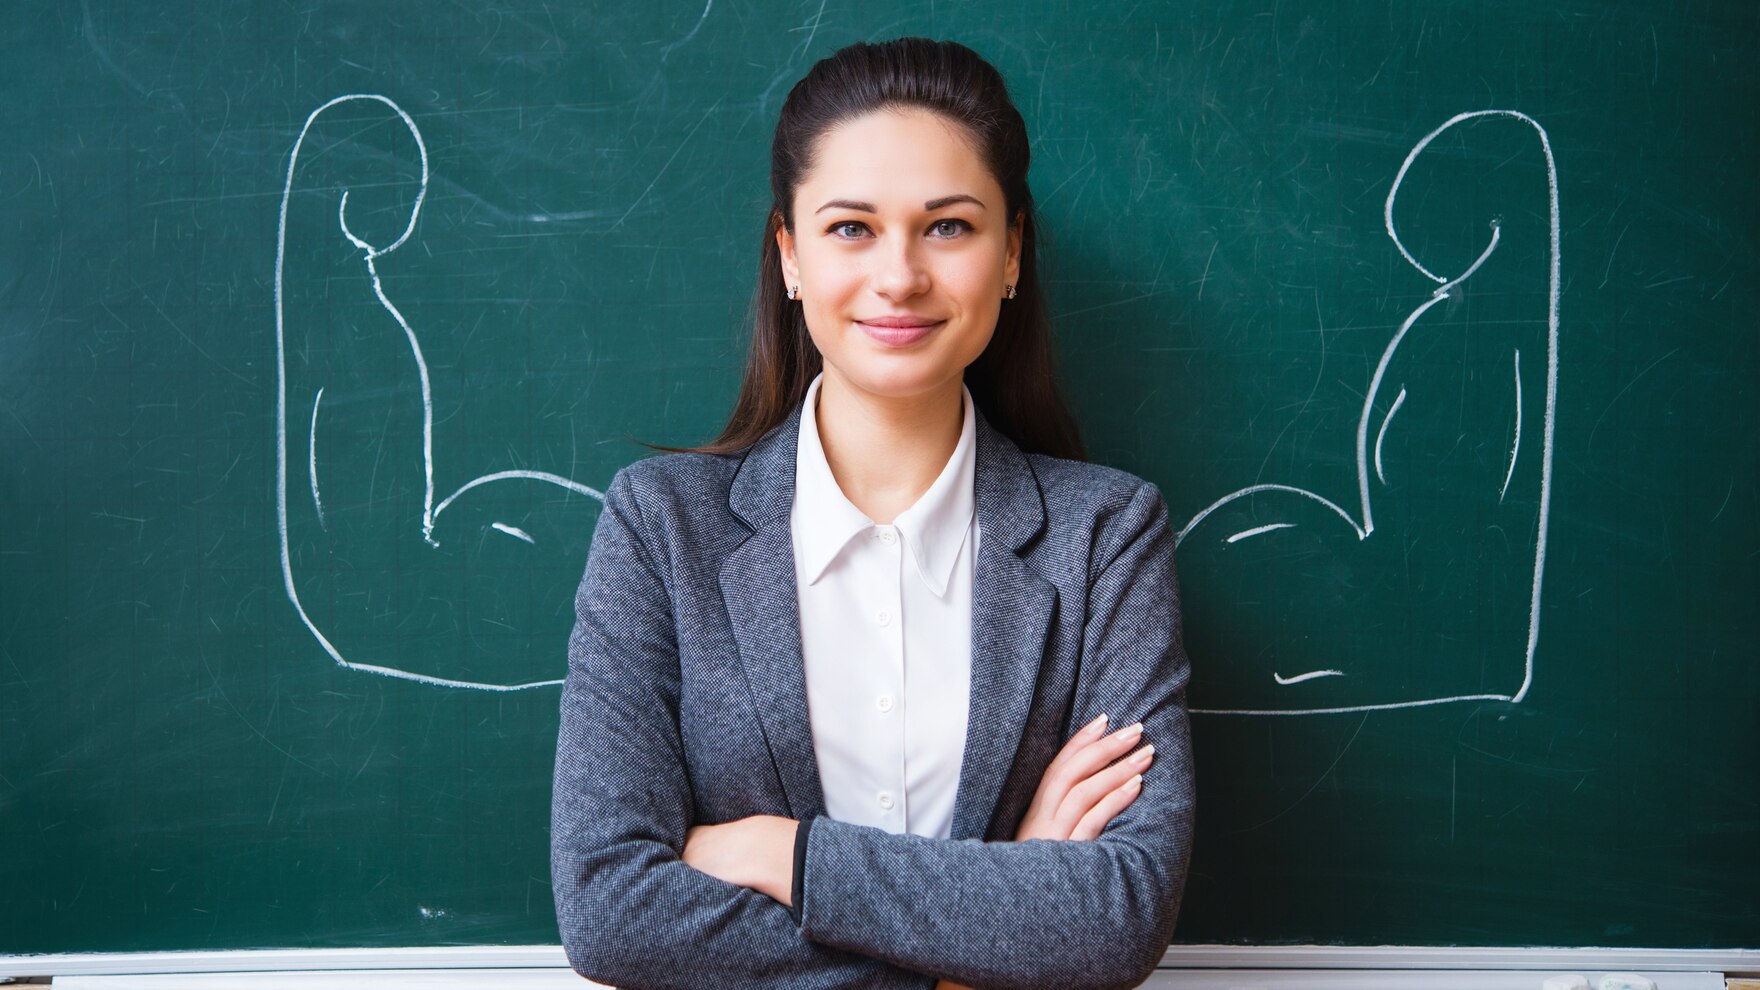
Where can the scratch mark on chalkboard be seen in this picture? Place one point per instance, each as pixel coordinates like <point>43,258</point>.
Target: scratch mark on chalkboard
<point>1622,392</point>
<point>807,46</point>
<point>1454,763</point>
<point>669,161</point>
<point>430,510</point>
<point>173,324</point>
<point>1727,493</point>
<point>1516,445</point>
<point>21,425</point>
<point>1445,286</point>
<point>1607,273</point>
<point>1398,401</point>
<point>273,805</point>
<point>156,96</point>
<point>1204,279</point>
<point>251,725</point>
<point>666,52</point>
<point>1317,780</point>
<point>1256,530</point>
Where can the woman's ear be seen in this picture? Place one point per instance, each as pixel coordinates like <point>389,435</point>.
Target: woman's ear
<point>791,271</point>
<point>1016,234</point>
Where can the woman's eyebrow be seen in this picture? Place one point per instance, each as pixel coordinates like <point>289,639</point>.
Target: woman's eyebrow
<point>934,204</point>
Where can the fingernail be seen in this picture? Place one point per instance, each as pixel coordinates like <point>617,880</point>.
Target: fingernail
<point>1098,725</point>
<point>1142,755</point>
<point>1135,783</point>
<point>1131,731</point>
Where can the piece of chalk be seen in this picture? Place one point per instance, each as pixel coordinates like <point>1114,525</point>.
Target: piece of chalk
<point>1569,981</point>
<point>1626,981</point>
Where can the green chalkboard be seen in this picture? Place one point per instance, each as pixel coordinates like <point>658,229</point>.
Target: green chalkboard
<point>322,325</point>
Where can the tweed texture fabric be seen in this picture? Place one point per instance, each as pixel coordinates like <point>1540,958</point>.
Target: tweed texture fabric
<point>685,703</point>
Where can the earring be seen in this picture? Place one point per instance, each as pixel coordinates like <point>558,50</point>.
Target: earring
<point>794,292</point>
<point>1009,289</point>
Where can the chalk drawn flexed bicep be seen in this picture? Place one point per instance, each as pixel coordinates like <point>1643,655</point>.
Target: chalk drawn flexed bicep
<point>1442,546</point>
<point>391,574</point>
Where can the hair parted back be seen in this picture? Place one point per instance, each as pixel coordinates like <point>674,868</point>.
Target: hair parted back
<point>1014,382</point>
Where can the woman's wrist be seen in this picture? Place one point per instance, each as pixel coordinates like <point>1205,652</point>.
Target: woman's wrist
<point>774,838</point>
<point>756,852</point>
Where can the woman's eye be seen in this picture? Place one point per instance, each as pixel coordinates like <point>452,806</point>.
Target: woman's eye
<point>951,228</point>
<point>837,229</point>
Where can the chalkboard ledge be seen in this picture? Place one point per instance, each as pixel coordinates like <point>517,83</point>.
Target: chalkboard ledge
<point>1190,967</point>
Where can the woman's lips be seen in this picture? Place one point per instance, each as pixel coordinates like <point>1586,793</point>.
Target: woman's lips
<point>899,336</point>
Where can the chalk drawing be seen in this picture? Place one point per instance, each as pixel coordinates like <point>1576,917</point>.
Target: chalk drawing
<point>513,531</point>
<point>431,511</point>
<point>1516,444</point>
<point>312,466</point>
<point>1256,530</point>
<point>1366,526</point>
<point>1310,675</point>
<point>1398,401</point>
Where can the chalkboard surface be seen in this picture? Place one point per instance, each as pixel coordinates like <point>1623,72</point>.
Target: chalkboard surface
<point>322,326</point>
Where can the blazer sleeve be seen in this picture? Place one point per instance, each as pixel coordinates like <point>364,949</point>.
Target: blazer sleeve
<point>1044,914</point>
<point>630,911</point>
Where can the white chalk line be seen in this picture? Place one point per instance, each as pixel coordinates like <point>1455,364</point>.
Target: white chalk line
<point>1516,445</point>
<point>514,531</point>
<point>415,347</point>
<point>1444,285</point>
<point>1255,531</point>
<point>1355,708</point>
<point>312,446</point>
<point>1252,489</point>
<point>1310,675</point>
<point>543,476</point>
<point>430,512</point>
<point>1382,435</point>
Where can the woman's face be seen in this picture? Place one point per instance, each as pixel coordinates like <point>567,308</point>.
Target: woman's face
<point>899,220</point>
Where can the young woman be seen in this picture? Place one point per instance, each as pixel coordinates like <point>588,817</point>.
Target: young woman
<point>884,687</point>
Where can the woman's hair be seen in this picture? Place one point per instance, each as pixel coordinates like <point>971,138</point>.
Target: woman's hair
<point>1014,381</point>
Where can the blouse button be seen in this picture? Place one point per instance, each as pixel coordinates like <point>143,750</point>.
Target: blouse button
<point>885,800</point>
<point>888,537</point>
<point>884,702</point>
<point>883,617</point>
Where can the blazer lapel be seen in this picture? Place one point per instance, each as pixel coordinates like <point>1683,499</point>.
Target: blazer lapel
<point>758,586</point>
<point>1011,614</point>
<point>1012,607</point>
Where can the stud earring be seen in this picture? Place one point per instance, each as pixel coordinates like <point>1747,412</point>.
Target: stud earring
<point>1009,289</point>
<point>794,292</point>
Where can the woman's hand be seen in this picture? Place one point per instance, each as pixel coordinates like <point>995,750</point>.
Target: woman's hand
<point>1079,792</point>
<point>755,852</point>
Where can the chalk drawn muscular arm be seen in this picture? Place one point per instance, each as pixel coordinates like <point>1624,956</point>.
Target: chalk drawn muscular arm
<point>361,558</point>
<point>1257,531</point>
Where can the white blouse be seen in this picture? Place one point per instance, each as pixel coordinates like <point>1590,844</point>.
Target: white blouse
<point>886,637</point>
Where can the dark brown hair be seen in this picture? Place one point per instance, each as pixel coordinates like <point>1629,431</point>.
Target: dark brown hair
<point>1014,382</point>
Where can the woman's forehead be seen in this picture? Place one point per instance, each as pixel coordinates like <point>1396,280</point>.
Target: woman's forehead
<point>896,160</point>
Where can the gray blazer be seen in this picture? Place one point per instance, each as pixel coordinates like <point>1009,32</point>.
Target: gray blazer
<point>685,703</point>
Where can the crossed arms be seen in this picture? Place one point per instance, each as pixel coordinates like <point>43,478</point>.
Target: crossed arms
<point>878,910</point>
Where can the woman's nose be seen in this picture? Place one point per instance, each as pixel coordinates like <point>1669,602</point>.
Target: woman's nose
<point>902,273</point>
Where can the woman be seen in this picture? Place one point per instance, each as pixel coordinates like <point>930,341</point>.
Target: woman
<point>823,669</point>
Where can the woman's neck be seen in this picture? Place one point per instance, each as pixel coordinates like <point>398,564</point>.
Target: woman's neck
<point>885,452</point>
